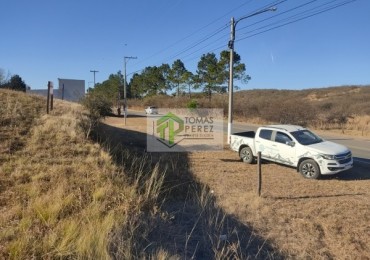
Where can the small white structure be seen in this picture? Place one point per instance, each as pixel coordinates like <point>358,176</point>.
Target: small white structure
<point>68,89</point>
<point>71,89</point>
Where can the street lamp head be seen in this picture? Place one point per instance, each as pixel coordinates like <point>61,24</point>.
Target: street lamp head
<point>273,8</point>
<point>254,14</point>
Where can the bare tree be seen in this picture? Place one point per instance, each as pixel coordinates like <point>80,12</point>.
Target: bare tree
<point>4,77</point>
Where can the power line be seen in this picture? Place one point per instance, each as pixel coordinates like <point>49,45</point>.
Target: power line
<point>271,17</point>
<point>268,6</point>
<point>272,4</point>
<point>194,33</point>
<point>272,26</point>
<point>308,15</point>
<point>297,20</point>
<point>190,47</point>
<point>290,17</point>
<point>199,42</point>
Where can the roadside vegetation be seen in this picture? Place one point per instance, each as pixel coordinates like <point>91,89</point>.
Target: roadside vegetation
<point>75,185</point>
<point>13,82</point>
<point>63,195</point>
<point>304,219</point>
<point>175,79</point>
<point>295,218</point>
<point>344,109</point>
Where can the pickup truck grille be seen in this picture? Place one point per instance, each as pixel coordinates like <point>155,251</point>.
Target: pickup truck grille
<point>344,158</point>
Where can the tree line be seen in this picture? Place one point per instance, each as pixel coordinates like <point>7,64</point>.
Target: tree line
<point>211,76</point>
<point>14,82</point>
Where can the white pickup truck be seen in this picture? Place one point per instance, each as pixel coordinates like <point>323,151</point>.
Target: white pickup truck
<point>294,146</point>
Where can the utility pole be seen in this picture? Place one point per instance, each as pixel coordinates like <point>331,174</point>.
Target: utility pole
<point>126,58</point>
<point>94,71</point>
<point>231,80</point>
<point>231,66</point>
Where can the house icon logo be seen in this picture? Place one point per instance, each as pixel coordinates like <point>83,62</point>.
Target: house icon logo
<point>168,128</point>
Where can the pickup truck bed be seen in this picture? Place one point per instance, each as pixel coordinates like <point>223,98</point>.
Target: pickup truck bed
<point>250,134</point>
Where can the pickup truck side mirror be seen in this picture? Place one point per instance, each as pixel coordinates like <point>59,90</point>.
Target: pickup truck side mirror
<point>290,143</point>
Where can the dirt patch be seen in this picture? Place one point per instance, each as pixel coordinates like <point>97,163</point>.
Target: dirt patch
<point>309,219</point>
<point>328,218</point>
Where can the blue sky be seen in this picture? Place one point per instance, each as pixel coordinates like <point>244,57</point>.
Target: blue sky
<point>44,40</point>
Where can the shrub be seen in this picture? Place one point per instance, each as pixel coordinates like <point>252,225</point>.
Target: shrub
<point>192,104</point>
<point>98,107</point>
<point>289,112</point>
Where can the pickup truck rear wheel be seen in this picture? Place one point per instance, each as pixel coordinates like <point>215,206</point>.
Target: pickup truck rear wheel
<point>309,169</point>
<point>246,155</point>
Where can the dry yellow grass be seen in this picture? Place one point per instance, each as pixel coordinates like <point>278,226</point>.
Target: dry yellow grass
<point>356,126</point>
<point>298,218</point>
<point>191,223</point>
<point>326,219</point>
<point>62,196</point>
<point>342,109</point>
<point>15,120</point>
<point>51,209</point>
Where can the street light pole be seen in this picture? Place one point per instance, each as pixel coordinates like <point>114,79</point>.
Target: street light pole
<point>124,87</point>
<point>231,66</point>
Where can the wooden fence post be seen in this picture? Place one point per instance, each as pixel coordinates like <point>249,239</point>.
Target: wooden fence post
<point>48,99</point>
<point>259,174</point>
<point>51,96</point>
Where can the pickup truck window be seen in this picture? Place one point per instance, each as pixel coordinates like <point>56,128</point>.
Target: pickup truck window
<point>265,134</point>
<point>306,137</point>
<point>282,138</point>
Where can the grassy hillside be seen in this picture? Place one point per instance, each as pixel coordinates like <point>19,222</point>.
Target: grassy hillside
<point>60,194</point>
<point>64,196</point>
<point>344,108</point>
<point>17,115</point>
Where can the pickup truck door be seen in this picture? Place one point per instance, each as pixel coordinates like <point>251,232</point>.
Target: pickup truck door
<point>286,151</point>
<point>265,144</point>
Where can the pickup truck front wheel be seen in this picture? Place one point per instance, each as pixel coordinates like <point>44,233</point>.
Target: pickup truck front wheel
<point>309,169</point>
<point>246,155</point>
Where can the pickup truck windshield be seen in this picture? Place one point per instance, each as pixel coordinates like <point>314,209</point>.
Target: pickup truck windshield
<point>306,137</point>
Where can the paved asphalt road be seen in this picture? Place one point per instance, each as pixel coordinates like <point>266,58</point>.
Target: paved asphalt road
<point>360,148</point>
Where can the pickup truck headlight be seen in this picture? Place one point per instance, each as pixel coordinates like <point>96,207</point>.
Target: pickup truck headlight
<point>328,156</point>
